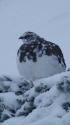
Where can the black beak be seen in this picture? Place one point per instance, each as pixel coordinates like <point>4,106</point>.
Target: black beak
<point>20,37</point>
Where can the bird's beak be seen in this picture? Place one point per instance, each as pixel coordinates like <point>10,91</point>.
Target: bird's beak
<point>20,37</point>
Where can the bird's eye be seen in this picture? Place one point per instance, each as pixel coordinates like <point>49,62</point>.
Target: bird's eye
<point>26,36</point>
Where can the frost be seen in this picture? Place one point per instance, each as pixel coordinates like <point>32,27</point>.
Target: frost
<point>35,102</point>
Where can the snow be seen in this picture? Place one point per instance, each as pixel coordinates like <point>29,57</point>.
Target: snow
<point>50,19</point>
<point>44,101</point>
<point>35,103</point>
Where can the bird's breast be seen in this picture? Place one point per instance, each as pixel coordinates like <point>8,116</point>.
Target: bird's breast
<point>45,66</point>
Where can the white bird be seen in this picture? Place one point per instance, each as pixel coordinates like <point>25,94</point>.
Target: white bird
<point>38,58</point>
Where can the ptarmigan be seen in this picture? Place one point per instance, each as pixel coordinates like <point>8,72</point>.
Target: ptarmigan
<point>38,58</point>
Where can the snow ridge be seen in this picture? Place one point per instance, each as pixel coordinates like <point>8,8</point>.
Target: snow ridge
<point>37,102</point>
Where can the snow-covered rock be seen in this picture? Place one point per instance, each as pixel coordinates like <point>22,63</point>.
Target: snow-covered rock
<point>23,102</point>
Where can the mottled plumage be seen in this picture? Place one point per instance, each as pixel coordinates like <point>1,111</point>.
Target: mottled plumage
<point>34,49</point>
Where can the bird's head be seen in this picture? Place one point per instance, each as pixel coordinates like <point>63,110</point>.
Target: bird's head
<point>28,37</point>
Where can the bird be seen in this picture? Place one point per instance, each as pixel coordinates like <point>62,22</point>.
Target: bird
<point>38,58</point>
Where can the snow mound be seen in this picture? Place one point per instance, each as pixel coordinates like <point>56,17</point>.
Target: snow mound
<point>44,101</point>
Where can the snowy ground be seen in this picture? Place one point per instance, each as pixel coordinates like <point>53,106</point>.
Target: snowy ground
<point>27,103</point>
<point>48,18</point>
